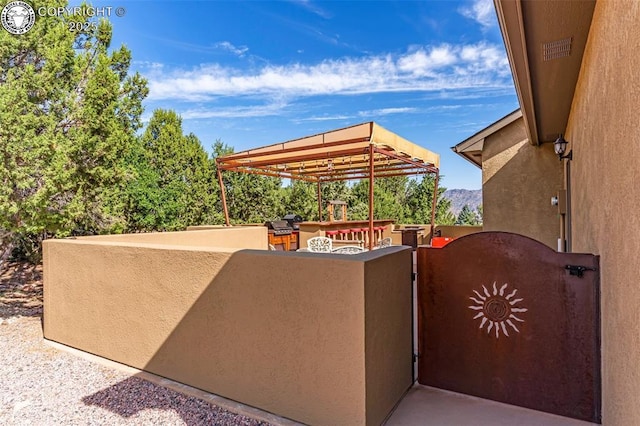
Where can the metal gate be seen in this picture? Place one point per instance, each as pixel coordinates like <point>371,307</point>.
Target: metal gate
<point>504,317</point>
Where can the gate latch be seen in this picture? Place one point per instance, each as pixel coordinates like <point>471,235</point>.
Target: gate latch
<point>578,270</point>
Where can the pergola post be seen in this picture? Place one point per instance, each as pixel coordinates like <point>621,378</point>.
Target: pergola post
<point>223,194</point>
<point>435,203</point>
<point>371,154</point>
<point>319,202</point>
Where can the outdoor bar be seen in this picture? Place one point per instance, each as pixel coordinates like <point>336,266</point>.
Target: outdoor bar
<point>363,151</point>
<point>347,231</point>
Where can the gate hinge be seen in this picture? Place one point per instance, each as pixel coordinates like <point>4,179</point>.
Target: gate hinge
<point>578,270</point>
<point>413,276</point>
<point>415,357</point>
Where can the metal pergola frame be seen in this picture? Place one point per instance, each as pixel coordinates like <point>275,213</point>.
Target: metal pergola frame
<point>363,151</point>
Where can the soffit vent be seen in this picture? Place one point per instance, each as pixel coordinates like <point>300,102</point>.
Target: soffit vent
<point>556,49</point>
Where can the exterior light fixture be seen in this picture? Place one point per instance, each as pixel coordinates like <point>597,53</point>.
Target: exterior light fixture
<point>560,146</point>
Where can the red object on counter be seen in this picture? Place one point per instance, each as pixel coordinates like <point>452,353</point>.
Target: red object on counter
<point>440,241</point>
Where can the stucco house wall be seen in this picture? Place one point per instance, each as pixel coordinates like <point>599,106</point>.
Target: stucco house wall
<point>604,133</point>
<point>518,181</point>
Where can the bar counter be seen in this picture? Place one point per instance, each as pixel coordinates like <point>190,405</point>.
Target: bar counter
<point>315,229</point>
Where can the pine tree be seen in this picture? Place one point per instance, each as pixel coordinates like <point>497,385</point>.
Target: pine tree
<point>389,199</point>
<point>467,216</point>
<point>301,199</point>
<point>480,214</point>
<point>68,115</point>
<point>420,199</point>
<point>251,198</point>
<point>175,181</point>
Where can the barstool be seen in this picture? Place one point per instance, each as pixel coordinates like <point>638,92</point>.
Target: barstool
<point>365,236</point>
<point>344,233</point>
<point>357,233</point>
<point>378,232</point>
<point>332,234</point>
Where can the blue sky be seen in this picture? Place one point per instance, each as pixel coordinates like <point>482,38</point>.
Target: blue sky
<point>260,72</point>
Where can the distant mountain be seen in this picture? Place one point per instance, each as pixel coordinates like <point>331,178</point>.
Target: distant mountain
<point>460,197</point>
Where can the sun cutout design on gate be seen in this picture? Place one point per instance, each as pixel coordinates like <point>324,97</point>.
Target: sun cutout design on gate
<point>497,310</point>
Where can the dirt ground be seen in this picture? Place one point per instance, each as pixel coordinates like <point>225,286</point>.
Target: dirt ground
<point>20,290</point>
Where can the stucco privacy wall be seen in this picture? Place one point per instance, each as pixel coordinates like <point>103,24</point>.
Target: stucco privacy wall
<point>249,237</point>
<point>605,193</point>
<point>518,181</point>
<point>284,332</point>
<point>387,334</point>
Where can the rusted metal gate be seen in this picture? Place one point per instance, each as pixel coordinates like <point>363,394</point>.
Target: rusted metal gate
<point>504,317</point>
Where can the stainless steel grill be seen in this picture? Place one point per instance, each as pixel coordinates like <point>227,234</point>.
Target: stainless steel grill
<point>279,227</point>
<point>293,220</point>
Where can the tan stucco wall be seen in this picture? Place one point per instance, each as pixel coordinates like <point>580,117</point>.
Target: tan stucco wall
<point>518,181</point>
<point>457,231</point>
<point>386,296</point>
<point>605,193</point>
<point>236,237</point>
<point>284,332</point>
<point>309,232</point>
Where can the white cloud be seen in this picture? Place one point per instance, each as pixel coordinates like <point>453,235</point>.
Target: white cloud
<point>423,62</point>
<point>277,108</point>
<point>323,118</point>
<point>422,69</point>
<point>156,66</point>
<point>387,111</point>
<point>442,108</point>
<point>313,8</point>
<point>225,45</point>
<point>234,112</point>
<point>486,57</point>
<point>480,11</point>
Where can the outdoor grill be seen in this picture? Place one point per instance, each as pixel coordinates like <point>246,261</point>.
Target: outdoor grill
<point>293,220</point>
<point>279,227</point>
<point>283,234</point>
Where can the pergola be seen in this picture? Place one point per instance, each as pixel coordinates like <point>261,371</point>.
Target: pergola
<point>362,151</point>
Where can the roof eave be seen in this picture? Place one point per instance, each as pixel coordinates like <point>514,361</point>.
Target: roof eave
<point>513,33</point>
<point>544,86</point>
<point>471,148</point>
<point>476,159</point>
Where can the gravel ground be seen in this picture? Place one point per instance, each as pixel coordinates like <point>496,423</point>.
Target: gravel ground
<point>40,385</point>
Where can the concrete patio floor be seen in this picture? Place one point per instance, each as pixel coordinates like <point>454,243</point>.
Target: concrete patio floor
<point>427,406</point>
